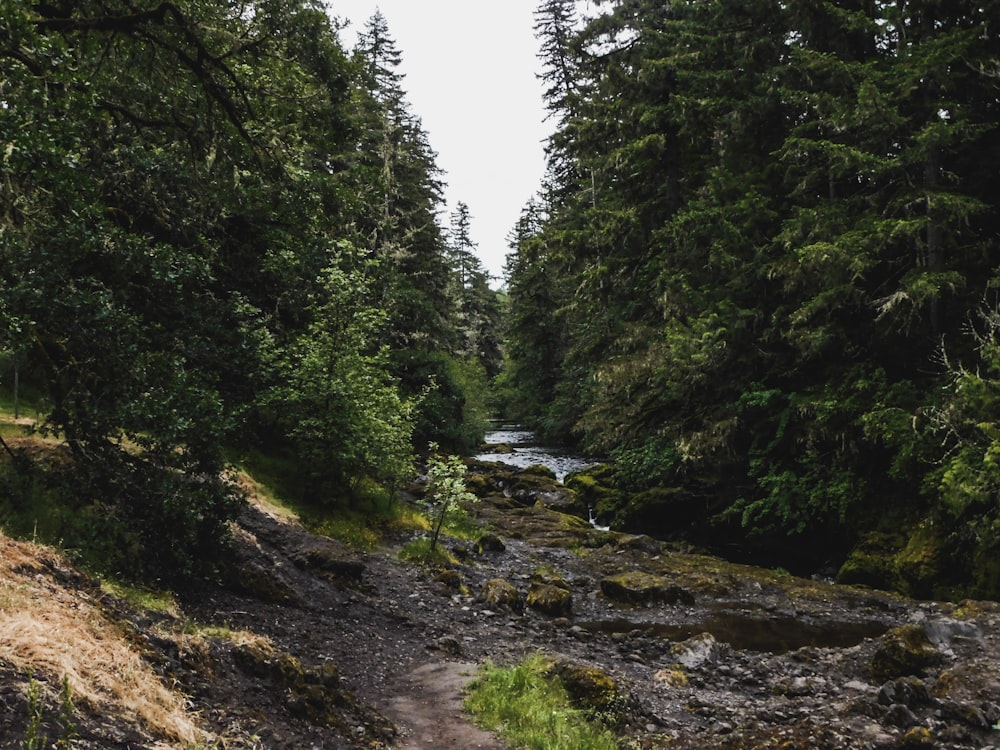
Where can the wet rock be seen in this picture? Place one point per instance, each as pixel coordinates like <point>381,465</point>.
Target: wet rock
<point>500,594</point>
<point>539,470</point>
<point>639,587</point>
<point>905,650</point>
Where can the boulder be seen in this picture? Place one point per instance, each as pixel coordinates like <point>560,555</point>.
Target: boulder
<point>589,687</point>
<point>550,600</point>
<point>550,594</point>
<point>499,594</point>
<point>639,587</point>
<point>903,651</point>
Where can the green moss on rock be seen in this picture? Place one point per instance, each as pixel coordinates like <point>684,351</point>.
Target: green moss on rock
<point>905,650</point>
<point>639,587</point>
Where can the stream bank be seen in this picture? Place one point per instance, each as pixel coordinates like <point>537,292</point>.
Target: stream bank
<point>308,644</point>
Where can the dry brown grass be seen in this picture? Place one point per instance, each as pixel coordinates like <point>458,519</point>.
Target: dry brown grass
<point>57,631</point>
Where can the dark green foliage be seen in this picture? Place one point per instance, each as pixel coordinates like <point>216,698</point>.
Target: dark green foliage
<point>765,230</point>
<point>216,228</point>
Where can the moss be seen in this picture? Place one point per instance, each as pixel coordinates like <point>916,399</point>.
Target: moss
<point>639,587</point>
<point>903,651</point>
<point>872,561</point>
<point>921,563</point>
<point>500,594</point>
<point>549,593</point>
<point>917,738</point>
<point>589,687</point>
<point>550,600</point>
<point>538,470</point>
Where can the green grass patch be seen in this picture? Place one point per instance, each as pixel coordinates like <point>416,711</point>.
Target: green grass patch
<point>419,551</point>
<point>143,598</point>
<point>532,710</point>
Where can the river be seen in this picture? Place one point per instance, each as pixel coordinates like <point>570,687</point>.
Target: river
<point>526,451</point>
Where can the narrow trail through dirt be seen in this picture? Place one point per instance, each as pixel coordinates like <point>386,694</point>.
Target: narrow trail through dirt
<point>427,708</point>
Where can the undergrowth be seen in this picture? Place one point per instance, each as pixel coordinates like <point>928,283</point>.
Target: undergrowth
<point>532,709</point>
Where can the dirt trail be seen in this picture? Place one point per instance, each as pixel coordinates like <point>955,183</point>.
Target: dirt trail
<point>427,708</point>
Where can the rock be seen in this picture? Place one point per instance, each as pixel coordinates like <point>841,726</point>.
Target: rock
<point>589,687</point>
<point>500,594</point>
<point>490,543</point>
<point>554,601</point>
<point>905,650</point>
<point>331,560</point>
<point>908,691</point>
<point>250,577</point>
<point>672,676</point>
<point>900,716</point>
<point>450,578</point>
<point>539,470</point>
<point>917,738</point>
<point>942,632</point>
<point>639,587</point>
<point>697,651</point>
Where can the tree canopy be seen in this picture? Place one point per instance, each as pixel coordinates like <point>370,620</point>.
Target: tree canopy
<point>765,255</point>
<point>218,230</point>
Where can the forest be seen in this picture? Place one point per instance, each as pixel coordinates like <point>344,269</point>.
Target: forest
<point>759,279</point>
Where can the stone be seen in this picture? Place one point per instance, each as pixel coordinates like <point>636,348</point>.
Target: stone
<point>551,600</point>
<point>917,738</point>
<point>909,691</point>
<point>639,587</point>
<point>899,715</point>
<point>501,594</point>
<point>697,651</point>
<point>589,687</point>
<point>490,543</point>
<point>905,650</point>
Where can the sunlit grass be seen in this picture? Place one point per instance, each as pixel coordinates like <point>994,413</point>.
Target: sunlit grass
<point>162,602</point>
<point>532,710</point>
<point>419,551</point>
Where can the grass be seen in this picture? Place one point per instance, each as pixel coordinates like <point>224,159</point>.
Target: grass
<point>39,617</point>
<point>419,551</point>
<point>532,710</point>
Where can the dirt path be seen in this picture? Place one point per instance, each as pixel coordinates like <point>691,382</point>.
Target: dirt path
<point>428,709</point>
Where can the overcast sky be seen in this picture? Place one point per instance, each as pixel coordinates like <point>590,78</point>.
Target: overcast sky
<point>470,68</point>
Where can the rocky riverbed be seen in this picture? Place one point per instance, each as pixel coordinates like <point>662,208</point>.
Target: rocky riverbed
<point>338,649</point>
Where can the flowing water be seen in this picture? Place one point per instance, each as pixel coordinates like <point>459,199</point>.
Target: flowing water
<point>526,451</point>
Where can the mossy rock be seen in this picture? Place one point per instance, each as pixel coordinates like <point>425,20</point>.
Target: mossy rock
<point>639,587</point>
<point>490,543</point>
<point>250,577</point>
<point>918,738</point>
<point>550,600</point>
<point>872,561</point>
<point>905,650</point>
<point>590,688</point>
<point>450,578</point>
<point>500,594</point>
<point>594,489</point>
<point>922,563</point>
<point>539,470</point>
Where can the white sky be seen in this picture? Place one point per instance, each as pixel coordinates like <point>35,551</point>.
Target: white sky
<point>470,68</point>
